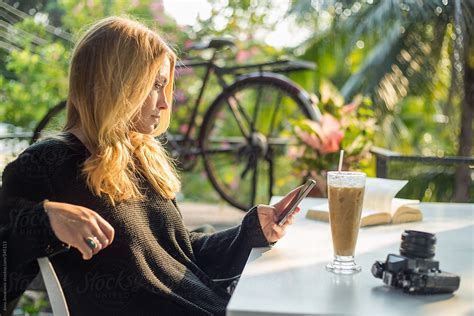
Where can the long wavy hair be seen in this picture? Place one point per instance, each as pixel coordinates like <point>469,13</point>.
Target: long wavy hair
<point>112,71</point>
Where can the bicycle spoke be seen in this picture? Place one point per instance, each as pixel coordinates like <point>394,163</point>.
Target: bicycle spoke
<point>254,183</point>
<point>257,108</point>
<point>239,113</point>
<point>274,115</point>
<point>258,166</point>
<point>269,158</point>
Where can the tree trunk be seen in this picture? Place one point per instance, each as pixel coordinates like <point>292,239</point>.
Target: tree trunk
<point>464,45</point>
<point>463,173</point>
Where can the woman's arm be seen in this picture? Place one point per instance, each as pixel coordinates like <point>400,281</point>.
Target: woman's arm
<point>26,228</point>
<point>224,254</point>
<point>32,227</point>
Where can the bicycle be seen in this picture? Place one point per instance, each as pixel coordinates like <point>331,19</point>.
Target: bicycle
<point>245,134</point>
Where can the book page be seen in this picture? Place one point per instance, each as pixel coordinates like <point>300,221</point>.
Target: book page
<point>380,204</point>
<point>325,208</point>
<point>379,193</point>
<point>320,212</point>
<point>397,203</point>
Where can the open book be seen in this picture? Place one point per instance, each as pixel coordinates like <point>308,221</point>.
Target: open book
<point>380,205</point>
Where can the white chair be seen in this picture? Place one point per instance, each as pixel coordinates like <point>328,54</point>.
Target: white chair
<point>53,287</point>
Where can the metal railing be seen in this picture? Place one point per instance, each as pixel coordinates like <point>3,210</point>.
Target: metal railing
<point>384,156</point>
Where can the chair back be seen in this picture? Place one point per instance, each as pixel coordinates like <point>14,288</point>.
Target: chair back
<point>53,287</point>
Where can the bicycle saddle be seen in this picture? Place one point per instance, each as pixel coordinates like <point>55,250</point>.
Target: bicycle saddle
<point>216,43</point>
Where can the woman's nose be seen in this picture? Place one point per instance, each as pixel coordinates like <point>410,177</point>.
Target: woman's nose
<point>162,103</point>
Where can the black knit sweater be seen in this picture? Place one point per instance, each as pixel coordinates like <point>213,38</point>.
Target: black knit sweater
<point>155,266</point>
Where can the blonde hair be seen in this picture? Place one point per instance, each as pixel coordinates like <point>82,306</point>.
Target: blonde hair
<point>112,71</point>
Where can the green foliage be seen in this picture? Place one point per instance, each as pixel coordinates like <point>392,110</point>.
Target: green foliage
<point>396,53</point>
<point>241,21</point>
<point>33,307</point>
<point>343,126</point>
<point>238,18</point>
<point>39,78</point>
<point>428,183</point>
<point>196,186</point>
<point>405,55</point>
<point>34,78</point>
<point>34,75</point>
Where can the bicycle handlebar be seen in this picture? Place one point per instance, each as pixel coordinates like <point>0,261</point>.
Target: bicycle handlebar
<point>284,65</point>
<point>215,43</point>
<point>279,66</point>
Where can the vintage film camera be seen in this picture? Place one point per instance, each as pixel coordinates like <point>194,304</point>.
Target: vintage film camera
<point>414,270</point>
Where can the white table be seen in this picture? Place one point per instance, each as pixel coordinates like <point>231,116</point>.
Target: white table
<point>290,278</point>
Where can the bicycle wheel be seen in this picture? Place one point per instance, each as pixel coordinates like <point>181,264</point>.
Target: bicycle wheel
<point>246,138</point>
<point>51,123</point>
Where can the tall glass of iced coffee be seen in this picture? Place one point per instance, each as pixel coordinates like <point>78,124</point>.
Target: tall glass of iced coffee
<point>345,195</point>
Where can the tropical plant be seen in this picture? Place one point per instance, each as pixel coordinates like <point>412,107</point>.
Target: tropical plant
<point>350,127</point>
<point>404,54</point>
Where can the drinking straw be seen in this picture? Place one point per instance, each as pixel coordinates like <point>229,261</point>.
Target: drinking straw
<point>341,157</point>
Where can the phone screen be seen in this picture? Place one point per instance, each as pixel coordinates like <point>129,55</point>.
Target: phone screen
<point>296,200</point>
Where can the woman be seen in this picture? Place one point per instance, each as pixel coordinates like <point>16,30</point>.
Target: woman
<point>132,253</point>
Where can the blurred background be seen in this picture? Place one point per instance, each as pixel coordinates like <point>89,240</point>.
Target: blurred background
<point>390,74</point>
<point>409,63</point>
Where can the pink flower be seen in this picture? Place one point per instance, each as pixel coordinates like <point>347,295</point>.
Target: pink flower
<point>327,135</point>
<point>234,185</point>
<point>188,43</point>
<point>225,145</point>
<point>183,128</point>
<point>160,18</point>
<point>331,134</point>
<point>295,152</point>
<point>351,107</point>
<point>310,139</point>
<point>157,6</point>
<point>243,55</point>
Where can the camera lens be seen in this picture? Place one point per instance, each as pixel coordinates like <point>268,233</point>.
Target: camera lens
<point>416,244</point>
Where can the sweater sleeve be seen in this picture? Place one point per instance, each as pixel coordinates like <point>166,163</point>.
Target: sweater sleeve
<point>224,254</point>
<point>25,228</point>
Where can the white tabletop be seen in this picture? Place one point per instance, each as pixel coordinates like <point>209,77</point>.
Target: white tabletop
<point>290,278</point>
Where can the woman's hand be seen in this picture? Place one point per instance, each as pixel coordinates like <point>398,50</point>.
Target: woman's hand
<point>72,224</point>
<point>268,217</point>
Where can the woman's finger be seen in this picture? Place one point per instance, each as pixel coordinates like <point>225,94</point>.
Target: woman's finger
<point>106,228</point>
<point>95,240</point>
<point>283,203</point>
<point>97,232</point>
<point>279,230</point>
<point>291,218</point>
<point>82,246</point>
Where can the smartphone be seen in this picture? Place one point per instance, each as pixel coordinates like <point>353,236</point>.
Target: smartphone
<point>307,187</point>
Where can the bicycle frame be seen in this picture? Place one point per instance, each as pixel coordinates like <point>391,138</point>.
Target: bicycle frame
<point>211,68</point>
<point>282,66</point>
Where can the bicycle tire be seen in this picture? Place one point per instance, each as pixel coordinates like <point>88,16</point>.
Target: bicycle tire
<point>52,116</point>
<point>221,135</point>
